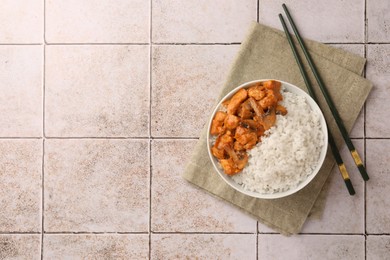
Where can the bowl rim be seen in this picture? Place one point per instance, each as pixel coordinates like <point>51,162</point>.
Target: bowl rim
<point>304,183</point>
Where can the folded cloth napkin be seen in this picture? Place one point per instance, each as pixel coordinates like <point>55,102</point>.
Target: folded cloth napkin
<point>265,54</point>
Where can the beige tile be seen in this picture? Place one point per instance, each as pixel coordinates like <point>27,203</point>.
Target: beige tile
<point>20,185</point>
<point>324,21</point>
<point>378,107</point>
<point>311,247</point>
<point>178,206</point>
<point>20,247</point>
<point>96,246</point>
<point>21,91</point>
<point>377,196</point>
<point>342,213</point>
<point>21,21</point>
<point>202,21</point>
<point>88,21</point>
<point>186,80</point>
<point>96,185</point>
<point>203,246</point>
<point>97,91</point>
<point>378,247</point>
<point>358,128</point>
<point>378,21</point>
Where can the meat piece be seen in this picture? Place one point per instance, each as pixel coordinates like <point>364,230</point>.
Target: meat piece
<point>272,84</point>
<point>242,160</point>
<point>236,101</point>
<point>257,92</point>
<point>231,122</point>
<point>228,165</point>
<point>281,110</point>
<point>218,153</point>
<point>253,125</point>
<point>268,119</point>
<point>235,163</point>
<point>238,146</point>
<point>246,137</point>
<point>224,140</point>
<point>225,103</point>
<point>217,123</point>
<point>245,110</point>
<point>269,100</point>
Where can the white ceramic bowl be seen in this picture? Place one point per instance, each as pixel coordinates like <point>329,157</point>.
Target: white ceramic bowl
<point>290,88</point>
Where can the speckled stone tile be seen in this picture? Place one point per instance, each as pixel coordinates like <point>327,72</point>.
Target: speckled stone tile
<point>358,128</point>
<point>378,106</point>
<point>20,185</point>
<point>342,213</point>
<point>378,21</point>
<point>97,91</point>
<point>378,247</point>
<point>96,185</point>
<point>21,21</point>
<point>88,21</point>
<point>311,247</point>
<point>105,246</point>
<point>324,21</point>
<point>186,80</point>
<point>21,247</point>
<point>203,21</point>
<point>21,90</point>
<point>377,197</point>
<point>178,206</point>
<point>203,246</point>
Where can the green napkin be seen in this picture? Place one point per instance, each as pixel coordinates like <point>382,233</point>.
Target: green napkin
<point>265,54</point>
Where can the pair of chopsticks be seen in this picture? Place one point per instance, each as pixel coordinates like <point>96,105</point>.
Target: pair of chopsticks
<point>335,113</point>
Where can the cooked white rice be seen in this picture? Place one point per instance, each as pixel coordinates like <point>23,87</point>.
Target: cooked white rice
<point>288,152</point>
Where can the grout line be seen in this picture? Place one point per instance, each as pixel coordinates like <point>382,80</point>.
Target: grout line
<point>44,22</point>
<point>147,138</point>
<point>170,43</point>
<point>150,129</point>
<point>150,198</point>
<point>258,11</point>
<point>43,130</point>
<point>356,43</point>
<point>96,233</point>
<point>19,233</point>
<point>43,196</point>
<point>257,240</point>
<point>21,44</point>
<point>101,43</point>
<point>13,137</point>
<point>44,93</point>
<point>377,43</point>
<point>196,43</point>
<point>200,233</point>
<point>365,130</point>
<point>175,138</point>
<point>102,138</point>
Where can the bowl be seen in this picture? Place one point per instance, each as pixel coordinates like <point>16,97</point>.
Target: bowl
<point>228,179</point>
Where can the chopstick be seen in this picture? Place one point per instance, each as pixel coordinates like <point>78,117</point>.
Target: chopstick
<point>335,151</point>
<point>328,99</point>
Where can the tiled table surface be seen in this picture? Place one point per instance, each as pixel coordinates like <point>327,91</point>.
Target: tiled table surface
<point>102,102</point>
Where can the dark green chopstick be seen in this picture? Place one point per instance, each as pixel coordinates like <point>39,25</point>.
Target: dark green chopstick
<point>335,151</point>
<point>328,99</point>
